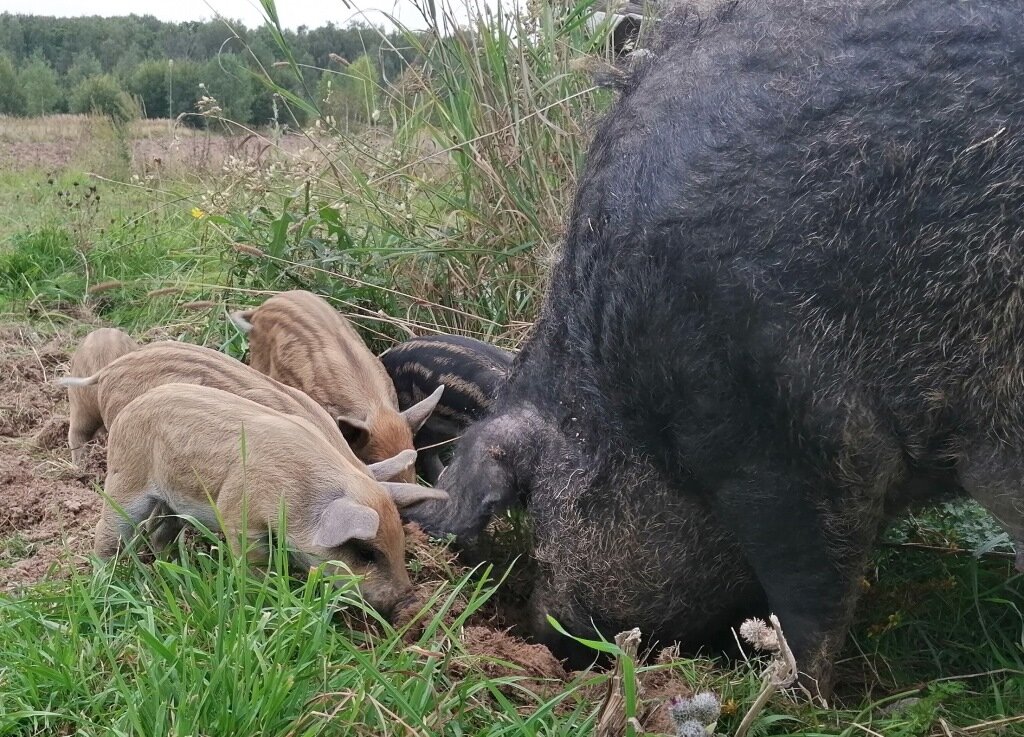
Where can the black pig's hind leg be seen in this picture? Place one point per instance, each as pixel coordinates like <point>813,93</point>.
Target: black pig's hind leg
<point>993,473</point>
<point>808,545</point>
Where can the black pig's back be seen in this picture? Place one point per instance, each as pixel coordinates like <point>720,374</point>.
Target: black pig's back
<point>770,240</point>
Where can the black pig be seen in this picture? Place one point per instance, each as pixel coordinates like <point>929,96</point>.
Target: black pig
<point>470,371</point>
<point>789,303</point>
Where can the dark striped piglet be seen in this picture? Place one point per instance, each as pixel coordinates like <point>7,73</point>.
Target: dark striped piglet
<point>471,372</point>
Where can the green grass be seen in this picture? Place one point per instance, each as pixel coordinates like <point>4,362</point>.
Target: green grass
<point>194,644</point>
<point>82,245</point>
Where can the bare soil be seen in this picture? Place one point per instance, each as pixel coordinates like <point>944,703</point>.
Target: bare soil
<point>156,147</point>
<point>50,508</point>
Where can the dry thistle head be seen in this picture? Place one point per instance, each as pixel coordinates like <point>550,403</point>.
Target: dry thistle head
<point>703,708</point>
<point>759,634</point>
<point>691,729</point>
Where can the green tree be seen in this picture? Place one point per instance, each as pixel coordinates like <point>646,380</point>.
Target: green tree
<point>84,66</point>
<point>39,85</point>
<point>127,62</point>
<point>12,99</point>
<point>168,82</point>
<point>149,83</point>
<point>12,35</point>
<point>185,78</point>
<point>103,95</point>
<point>228,80</point>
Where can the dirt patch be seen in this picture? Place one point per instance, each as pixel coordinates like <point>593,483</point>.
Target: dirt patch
<point>489,644</point>
<point>50,506</point>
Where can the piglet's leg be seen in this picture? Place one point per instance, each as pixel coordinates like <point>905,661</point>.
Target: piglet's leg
<point>137,504</point>
<point>108,534</point>
<point>254,542</point>
<point>78,436</point>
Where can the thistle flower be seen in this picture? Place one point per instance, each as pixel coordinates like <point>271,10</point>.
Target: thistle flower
<point>691,729</point>
<point>703,708</point>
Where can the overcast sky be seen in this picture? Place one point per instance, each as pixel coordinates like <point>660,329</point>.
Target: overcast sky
<point>293,13</point>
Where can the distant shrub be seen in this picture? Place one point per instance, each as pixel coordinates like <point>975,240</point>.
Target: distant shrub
<point>104,96</point>
<point>38,83</point>
<point>149,82</point>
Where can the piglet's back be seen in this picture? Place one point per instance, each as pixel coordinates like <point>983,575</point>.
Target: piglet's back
<point>301,340</point>
<point>168,362</point>
<point>100,348</point>
<point>194,439</point>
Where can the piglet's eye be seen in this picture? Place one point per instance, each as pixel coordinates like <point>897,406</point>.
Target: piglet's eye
<point>364,553</point>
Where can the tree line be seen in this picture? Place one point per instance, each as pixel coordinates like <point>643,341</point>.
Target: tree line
<point>132,65</point>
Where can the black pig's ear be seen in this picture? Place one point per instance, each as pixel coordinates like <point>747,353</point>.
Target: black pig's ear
<point>356,431</point>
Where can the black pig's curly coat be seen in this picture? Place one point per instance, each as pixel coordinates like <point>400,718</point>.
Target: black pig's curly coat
<point>790,301</point>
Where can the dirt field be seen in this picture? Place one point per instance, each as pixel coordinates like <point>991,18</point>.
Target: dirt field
<point>50,509</point>
<point>158,147</point>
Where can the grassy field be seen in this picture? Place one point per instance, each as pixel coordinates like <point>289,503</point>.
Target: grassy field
<point>442,219</point>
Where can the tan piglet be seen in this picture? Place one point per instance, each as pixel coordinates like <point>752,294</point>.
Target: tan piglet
<point>205,453</point>
<point>299,339</point>
<point>98,349</point>
<point>168,361</point>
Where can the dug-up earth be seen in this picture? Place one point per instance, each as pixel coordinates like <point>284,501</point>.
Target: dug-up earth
<point>50,508</point>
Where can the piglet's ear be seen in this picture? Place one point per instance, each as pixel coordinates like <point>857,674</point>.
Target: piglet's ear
<point>419,413</point>
<point>242,320</point>
<point>388,469</point>
<point>356,431</point>
<point>405,495</point>
<point>345,520</point>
